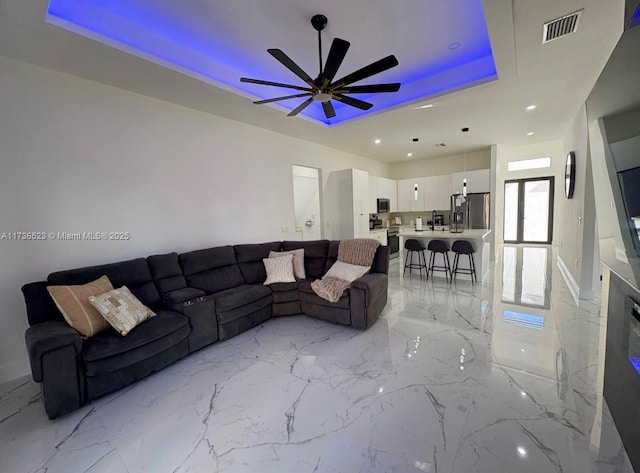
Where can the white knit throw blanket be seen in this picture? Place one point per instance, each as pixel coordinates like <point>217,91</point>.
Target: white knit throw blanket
<point>359,251</point>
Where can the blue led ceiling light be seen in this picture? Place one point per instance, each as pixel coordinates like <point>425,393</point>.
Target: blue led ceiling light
<point>185,40</point>
<point>635,18</point>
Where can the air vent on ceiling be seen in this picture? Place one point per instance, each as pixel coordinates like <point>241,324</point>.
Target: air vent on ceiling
<point>560,27</point>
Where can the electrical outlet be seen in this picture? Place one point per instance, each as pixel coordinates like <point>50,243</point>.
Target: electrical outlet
<point>284,229</point>
<point>575,263</point>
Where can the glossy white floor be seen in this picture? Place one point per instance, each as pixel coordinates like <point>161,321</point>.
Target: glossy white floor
<point>501,377</point>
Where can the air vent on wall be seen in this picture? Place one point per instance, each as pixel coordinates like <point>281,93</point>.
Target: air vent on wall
<point>560,27</point>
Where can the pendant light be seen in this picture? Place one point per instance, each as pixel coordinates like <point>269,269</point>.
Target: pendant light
<point>464,180</point>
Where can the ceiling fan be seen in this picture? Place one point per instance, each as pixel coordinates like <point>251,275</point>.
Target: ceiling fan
<point>323,88</point>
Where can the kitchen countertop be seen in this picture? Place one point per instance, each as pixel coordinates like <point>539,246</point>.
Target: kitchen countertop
<point>477,234</point>
<point>629,270</point>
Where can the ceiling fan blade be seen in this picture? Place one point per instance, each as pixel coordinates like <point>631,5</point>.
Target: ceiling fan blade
<point>368,71</point>
<point>275,84</point>
<point>286,97</point>
<point>338,51</point>
<point>329,112</point>
<point>300,107</point>
<point>361,104</point>
<point>366,89</point>
<point>289,64</point>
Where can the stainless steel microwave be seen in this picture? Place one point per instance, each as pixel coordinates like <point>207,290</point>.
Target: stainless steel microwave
<point>383,206</point>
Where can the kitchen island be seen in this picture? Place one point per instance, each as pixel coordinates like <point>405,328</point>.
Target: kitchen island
<point>479,239</point>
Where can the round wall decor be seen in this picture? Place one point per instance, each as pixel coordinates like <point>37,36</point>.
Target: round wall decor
<point>570,174</point>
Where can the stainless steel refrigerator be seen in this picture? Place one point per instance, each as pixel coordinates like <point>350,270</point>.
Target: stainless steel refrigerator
<point>474,207</point>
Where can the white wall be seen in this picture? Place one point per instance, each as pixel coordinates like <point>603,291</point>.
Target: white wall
<point>578,227</point>
<point>442,165</point>
<point>504,154</point>
<point>78,156</point>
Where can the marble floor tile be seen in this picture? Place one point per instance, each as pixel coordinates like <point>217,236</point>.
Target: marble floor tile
<point>500,376</point>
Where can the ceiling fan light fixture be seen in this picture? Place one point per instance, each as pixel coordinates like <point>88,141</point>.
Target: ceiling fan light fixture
<point>321,97</point>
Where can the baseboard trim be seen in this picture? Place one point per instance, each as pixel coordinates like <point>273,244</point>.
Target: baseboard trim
<point>14,370</point>
<point>574,289</point>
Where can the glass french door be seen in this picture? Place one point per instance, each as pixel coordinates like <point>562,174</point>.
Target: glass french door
<point>528,210</point>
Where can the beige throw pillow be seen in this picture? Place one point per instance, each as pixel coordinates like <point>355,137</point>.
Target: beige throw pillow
<point>298,260</point>
<point>346,271</point>
<point>121,309</point>
<point>279,269</point>
<point>73,302</point>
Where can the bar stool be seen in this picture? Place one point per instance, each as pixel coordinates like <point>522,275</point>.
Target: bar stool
<point>439,246</point>
<point>463,247</point>
<point>415,246</point>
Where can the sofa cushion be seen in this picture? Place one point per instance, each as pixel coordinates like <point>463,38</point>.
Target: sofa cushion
<point>73,302</point>
<point>166,272</point>
<point>211,270</point>
<point>250,258</point>
<point>121,309</point>
<point>241,301</point>
<point>315,255</point>
<point>246,311</point>
<point>134,274</point>
<point>286,292</point>
<point>109,351</point>
<point>308,295</point>
<point>332,254</point>
<point>239,296</point>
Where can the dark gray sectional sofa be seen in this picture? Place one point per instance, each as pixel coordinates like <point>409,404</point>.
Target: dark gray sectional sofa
<point>199,297</point>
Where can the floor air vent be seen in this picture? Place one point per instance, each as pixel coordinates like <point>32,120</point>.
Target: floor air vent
<point>560,27</point>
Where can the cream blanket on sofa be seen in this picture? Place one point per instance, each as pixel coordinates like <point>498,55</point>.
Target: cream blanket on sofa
<point>359,252</point>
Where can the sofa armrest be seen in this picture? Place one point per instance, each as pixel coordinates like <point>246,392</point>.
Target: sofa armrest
<point>179,296</point>
<point>373,284</point>
<point>368,297</point>
<point>47,337</point>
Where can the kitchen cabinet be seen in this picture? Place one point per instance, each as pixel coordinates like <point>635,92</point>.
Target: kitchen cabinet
<point>382,188</point>
<point>444,192</point>
<point>349,194</point>
<point>373,194</point>
<point>380,235</point>
<point>410,200</point>
<point>431,200</point>
<point>477,181</point>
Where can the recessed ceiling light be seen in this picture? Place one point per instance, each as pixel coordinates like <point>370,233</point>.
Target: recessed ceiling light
<point>429,105</point>
<point>531,107</point>
<point>454,45</point>
<point>530,133</point>
<point>409,154</point>
<point>377,141</point>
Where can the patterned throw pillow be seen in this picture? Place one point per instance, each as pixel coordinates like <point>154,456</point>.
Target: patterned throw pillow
<point>346,271</point>
<point>298,260</point>
<point>73,302</point>
<point>279,269</point>
<point>121,309</point>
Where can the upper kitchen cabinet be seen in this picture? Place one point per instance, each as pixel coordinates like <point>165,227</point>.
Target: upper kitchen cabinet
<point>443,200</point>
<point>382,188</point>
<point>411,195</point>
<point>388,189</point>
<point>373,194</point>
<point>477,181</point>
